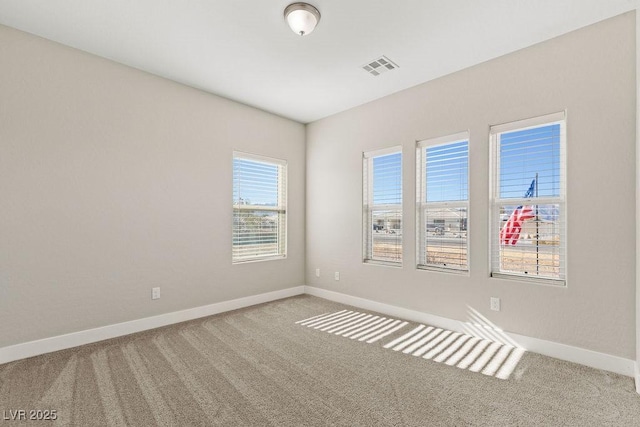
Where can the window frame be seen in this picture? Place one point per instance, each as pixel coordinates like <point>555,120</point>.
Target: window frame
<point>422,205</point>
<point>495,201</point>
<point>281,208</point>
<point>368,208</point>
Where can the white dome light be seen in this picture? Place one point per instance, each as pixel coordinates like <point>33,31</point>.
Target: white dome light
<point>302,18</point>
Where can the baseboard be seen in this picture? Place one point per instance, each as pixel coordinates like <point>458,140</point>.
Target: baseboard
<point>61,342</point>
<point>638,377</point>
<point>582,356</point>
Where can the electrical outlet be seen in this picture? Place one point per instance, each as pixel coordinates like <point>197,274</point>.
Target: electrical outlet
<point>155,293</point>
<point>336,275</point>
<point>495,304</point>
<point>317,272</point>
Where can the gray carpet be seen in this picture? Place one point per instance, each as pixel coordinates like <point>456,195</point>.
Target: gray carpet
<point>257,367</point>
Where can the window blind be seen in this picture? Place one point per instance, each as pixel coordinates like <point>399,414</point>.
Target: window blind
<point>382,206</point>
<point>442,202</point>
<point>528,208</point>
<point>259,207</point>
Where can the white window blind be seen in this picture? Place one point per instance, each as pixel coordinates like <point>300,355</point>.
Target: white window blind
<point>259,207</point>
<point>528,199</point>
<point>382,206</point>
<point>442,186</point>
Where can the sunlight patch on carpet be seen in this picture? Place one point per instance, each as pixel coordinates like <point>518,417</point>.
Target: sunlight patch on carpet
<point>476,354</point>
<point>354,325</point>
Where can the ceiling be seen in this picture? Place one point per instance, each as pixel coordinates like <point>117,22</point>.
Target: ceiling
<point>244,50</point>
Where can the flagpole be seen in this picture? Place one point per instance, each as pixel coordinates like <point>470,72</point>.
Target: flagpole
<point>537,232</point>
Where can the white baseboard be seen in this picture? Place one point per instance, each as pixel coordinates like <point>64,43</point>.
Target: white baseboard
<point>61,342</point>
<point>638,377</point>
<point>582,356</point>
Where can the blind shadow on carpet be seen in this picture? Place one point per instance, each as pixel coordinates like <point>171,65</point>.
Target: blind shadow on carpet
<point>428,342</point>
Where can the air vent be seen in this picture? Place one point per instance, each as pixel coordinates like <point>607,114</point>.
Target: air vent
<point>379,66</point>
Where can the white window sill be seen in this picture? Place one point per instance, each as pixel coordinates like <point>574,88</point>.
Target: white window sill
<point>556,283</point>
<point>258,259</point>
<point>382,263</point>
<point>462,272</point>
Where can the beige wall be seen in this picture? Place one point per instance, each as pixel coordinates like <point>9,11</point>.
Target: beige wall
<point>113,181</point>
<point>591,74</point>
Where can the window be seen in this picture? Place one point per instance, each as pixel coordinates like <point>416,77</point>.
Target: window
<point>442,186</point>
<point>259,208</point>
<point>528,199</point>
<point>382,206</point>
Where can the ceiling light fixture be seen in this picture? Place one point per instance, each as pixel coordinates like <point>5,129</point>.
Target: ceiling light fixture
<point>302,18</point>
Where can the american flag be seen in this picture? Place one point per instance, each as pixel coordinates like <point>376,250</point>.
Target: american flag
<point>510,232</point>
